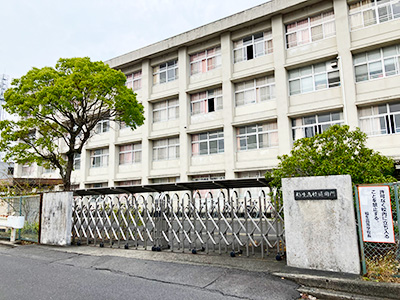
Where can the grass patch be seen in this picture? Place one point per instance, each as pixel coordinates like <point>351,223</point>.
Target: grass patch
<point>384,268</point>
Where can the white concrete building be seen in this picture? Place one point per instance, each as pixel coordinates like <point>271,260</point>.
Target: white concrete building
<point>223,100</point>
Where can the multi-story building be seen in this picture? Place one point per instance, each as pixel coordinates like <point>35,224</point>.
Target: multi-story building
<point>223,100</point>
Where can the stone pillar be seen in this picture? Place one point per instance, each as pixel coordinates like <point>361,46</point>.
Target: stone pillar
<point>56,222</point>
<point>320,229</point>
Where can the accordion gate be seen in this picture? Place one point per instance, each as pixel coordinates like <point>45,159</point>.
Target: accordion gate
<point>219,222</point>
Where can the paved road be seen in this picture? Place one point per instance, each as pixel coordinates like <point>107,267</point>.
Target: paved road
<point>35,272</point>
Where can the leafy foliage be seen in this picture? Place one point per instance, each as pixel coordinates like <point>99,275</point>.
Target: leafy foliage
<point>58,110</point>
<point>336,151</point>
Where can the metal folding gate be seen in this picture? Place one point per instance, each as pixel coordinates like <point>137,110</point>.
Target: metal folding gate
<point>218,221</point>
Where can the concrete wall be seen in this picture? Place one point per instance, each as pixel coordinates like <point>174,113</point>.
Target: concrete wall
<point>321,234</point>
<point>56,224</point>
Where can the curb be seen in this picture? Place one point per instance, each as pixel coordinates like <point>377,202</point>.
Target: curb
<point>355,287</point>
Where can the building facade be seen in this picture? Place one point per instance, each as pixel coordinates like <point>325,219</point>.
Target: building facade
<point>225,99</point>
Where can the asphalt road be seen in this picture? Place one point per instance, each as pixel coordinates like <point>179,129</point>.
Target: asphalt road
<point>35,272</point>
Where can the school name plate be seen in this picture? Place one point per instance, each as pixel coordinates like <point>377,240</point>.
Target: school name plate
<point>316,194</point>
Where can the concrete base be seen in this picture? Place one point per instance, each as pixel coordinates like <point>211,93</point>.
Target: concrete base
<point>321,234</point>
<point>56,222</point>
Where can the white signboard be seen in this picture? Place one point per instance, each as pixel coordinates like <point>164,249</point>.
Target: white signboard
<point>376,214</point>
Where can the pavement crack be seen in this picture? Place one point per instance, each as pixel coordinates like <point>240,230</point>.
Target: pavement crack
<point>170,283</point>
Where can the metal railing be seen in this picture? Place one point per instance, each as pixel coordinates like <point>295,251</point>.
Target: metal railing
<point>215,221</point>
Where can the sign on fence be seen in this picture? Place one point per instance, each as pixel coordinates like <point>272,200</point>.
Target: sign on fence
<point>376,214</point>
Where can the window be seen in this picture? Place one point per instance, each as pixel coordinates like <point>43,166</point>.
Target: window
<point>206,102</point>
<point>99,158</point>
<point>165,110</point>
<point>380,119</point>
<point>10,171</point>
<point>134,80</point>
<point>257,136</point>
<point>378,63</point>
<point>255,90</point>
<point>27,170</point>
<point>206,177</point>
<point>205,61</point>
<point>310,30</point>
<point>165,72</point>
<point>102,126</point>
<point>129,154</point>
<point>253,46</point>
<point>165,180</point>
<point>48,170</point>
<point>369,12</point>
<point>315,124</point>
<point>128,182</point>
<point>208,143</point>
<point>166,149</point>
<point>77,161</point>
<point>315,77</point>
<point>96,185</point>
<point>251,174</point>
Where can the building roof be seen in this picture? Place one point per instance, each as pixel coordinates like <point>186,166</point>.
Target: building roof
<point>252,15</point>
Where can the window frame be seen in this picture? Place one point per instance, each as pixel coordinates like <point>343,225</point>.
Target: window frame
<point>361,8</point>
<point>101,157</point>
<point>135,153</point>
<point>77,161</point>
<point>366,63</point>
<point>244,43</point>
<point>309,26</point>
<point>168,107</point>
<point>211,94</point>
<point>270,83</point>
<point>318,126</point>
<point>171,142</point>
<point>197,141</point>
<point>313,75</point>
<point>257,133</point>
<point>102,126</point>
<point>389,117</point>
<point>134,80</point>
<point>196,58</point>
<point>165,68</point>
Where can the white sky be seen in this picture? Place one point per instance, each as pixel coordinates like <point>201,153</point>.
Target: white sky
<point>36,33</point>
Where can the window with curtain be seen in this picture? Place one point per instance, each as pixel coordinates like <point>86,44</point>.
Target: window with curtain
<point>206,102</point>
<point>377,63</point>
<point>370,12</point>
<point>134,80</point>
<point>315,77</point>
<point>129,154</point>
<point>257,136</point>
<point>314,124</point>
<point>205,61</point>
<point>165,110</point>
<point>166,149</point>
<point>99,158</point>
<point>380,119</point>
<point>253,46</point>
<point>309,30</point>
<point>255,90</point>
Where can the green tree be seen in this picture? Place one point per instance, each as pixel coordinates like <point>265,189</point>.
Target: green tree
<point>336,151</point>
<point>58,109</point>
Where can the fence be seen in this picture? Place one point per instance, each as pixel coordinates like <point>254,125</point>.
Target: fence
<point>27,206</point>
<point>218,220</point>
<point>381,216</point>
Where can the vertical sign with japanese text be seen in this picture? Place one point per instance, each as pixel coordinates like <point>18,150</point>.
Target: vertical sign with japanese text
<point>376,214</point>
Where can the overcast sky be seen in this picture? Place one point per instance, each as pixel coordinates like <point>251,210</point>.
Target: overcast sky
<point>36,33</point>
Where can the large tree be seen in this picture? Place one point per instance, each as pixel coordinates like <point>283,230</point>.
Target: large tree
<point>57,110</point>
<point>336,151</point>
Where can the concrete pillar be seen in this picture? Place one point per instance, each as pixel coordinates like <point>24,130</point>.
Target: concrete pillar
<point>345,60</point>
<point>147,84</point>
<point>184,114</point>
<point>281,82</point>
<point>228,104</point>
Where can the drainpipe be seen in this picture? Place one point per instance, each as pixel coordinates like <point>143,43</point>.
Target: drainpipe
<point>339,58</point>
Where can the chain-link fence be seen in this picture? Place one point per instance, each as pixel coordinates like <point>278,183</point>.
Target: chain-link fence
<point>378,227</point>
<point>27,206</point>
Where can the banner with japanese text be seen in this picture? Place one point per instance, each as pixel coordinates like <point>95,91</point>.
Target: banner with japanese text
<point>376,214</point>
